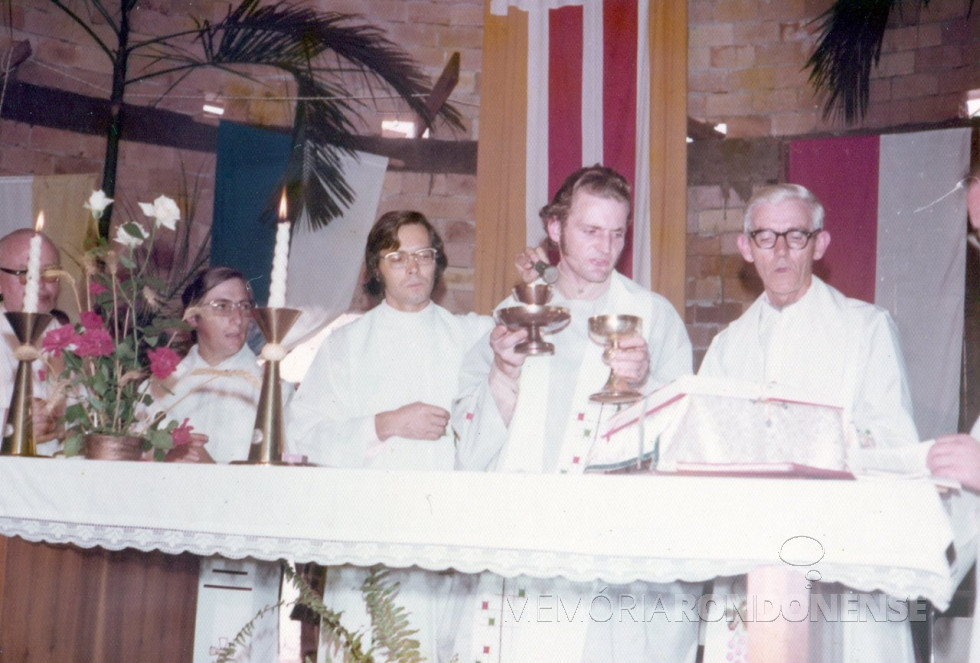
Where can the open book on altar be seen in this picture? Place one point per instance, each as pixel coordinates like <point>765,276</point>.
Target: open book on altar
<point>698,425</point>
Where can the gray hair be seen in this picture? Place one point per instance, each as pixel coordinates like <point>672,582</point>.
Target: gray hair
<point>777,193</point>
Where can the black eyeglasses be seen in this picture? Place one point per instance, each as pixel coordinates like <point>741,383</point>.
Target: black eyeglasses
<point>49,275</point>
<point>795,238</point>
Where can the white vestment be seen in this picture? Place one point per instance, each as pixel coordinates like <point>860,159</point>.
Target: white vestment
<point>221,401</point>
<point>842,350</point>
<point>8,370</point>
<point>553,425</point>
<point>839,349</point>
<point>383,360</point>
<point>553,393</point>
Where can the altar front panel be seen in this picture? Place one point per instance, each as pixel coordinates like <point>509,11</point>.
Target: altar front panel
<point>887,535</point>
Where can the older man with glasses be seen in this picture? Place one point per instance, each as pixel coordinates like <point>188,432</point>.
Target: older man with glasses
<point>14,250</point>
<point>804,333</point>
<point>378,392</point>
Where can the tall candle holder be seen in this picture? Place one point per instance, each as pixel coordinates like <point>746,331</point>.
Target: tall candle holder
<point>269,434</point>
<point>18,437</point>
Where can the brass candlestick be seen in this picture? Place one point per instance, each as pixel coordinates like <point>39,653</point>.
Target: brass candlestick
<point>269,435</point>
<point>18,435</point>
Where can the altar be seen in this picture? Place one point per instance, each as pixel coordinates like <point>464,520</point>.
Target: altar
<point>900,537</point>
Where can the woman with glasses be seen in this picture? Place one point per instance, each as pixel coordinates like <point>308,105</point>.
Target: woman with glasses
<point>216,386</point>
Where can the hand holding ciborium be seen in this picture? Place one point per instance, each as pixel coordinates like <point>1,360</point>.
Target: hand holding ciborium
<point>610,329</point>
<point>535,316</point>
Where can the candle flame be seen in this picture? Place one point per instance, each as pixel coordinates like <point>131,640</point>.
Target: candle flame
<point>39,225</point>
<point>282,206</point>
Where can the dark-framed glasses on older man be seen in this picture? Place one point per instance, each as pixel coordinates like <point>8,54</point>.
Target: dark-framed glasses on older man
<point>400,259</point>
<point>48,274</point>
<point>795,238</point>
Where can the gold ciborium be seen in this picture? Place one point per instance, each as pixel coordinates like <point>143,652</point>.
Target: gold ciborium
<point>535,316</point>
<point>609,329</point>
<point>269,435</point>
<point>18,435</point>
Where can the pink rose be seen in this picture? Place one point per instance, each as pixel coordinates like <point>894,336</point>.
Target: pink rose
<point>163,361</point>
<point>58,339</point>
<point>91,320</point>
<point>95,343</point>
<point>182,434</point>
<point>95,288</point>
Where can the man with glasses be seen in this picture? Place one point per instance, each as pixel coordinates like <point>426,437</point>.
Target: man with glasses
<point>378,392</point>
<point>14,251</point>
<point>804,333</point>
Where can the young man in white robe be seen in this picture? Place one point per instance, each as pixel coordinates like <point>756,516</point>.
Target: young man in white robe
<point>803,333</point>
<point>377,395</point>
<point>533,414</point>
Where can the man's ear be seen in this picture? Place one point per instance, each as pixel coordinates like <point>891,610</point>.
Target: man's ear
<point>744,247</point>
<point>553,227</point>
<point>823,241</point>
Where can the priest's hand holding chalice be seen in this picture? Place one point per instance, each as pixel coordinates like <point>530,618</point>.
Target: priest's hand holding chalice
<point>625,353</point>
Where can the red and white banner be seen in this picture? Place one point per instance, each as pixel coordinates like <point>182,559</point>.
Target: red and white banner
<point>896,213</point>
<point>587,103</point>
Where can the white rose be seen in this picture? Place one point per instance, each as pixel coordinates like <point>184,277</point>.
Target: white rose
<point>164,210</point>
<point>130,234</point>
<point>97,202</point>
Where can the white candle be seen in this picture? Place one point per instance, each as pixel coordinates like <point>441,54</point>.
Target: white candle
<point>280,259</point>
<point>32,289</point>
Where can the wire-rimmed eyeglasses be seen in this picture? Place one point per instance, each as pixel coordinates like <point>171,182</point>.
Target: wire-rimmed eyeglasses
<point>225,308</point>
<point>401,259</point>
<point>795,238</point>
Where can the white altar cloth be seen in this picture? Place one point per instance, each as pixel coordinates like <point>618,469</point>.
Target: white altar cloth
<point>888,535</point>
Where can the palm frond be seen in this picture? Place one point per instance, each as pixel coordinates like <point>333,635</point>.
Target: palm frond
<point>851,35</point>
<point>320,50</point>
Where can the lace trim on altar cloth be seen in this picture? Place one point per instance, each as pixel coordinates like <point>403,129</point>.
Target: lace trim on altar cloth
<point>902,583</point>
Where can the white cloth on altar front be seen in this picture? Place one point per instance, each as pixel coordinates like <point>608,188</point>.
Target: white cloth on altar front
<point>219,401</point>
<point>553,425</point>
<point>554,389</point>
<point>842,350</point>
<point>383,360</point>
<point>839,349</point>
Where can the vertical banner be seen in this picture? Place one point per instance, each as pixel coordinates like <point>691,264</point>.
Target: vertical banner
<point>585,82</point>
<point>897,224</point>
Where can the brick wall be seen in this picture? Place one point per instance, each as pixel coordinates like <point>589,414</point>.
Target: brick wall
<point>746,69</point>
<point>65,58</point>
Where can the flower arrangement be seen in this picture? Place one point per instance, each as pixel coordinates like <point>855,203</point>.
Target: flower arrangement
<point>122,339</point>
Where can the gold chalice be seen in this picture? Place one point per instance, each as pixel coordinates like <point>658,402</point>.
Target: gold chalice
<point>535,316</point>
<point>609,329</point>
